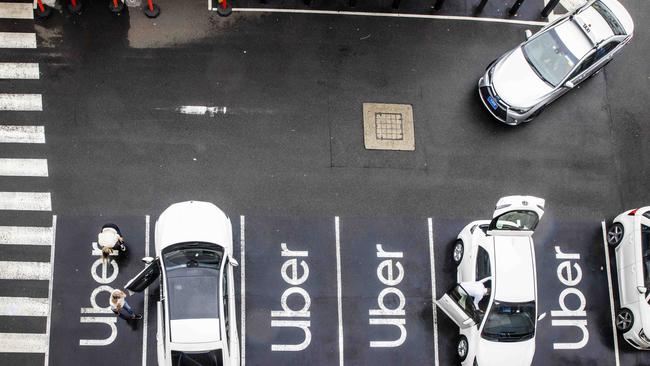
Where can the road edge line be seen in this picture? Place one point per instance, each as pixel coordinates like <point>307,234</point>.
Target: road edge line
<point>49,295</point>
<point>145,312</point>
<point>339,290</point>
<point>242,279</point>
<point>611,292</point>
<point>433,293</point>
<point>390,15</point>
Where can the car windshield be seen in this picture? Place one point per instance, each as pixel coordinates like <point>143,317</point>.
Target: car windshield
<point>192,274</point>
<point>518,220</point>
<point>211,358</point>
<point>549,57</point>
<point>510,322</point>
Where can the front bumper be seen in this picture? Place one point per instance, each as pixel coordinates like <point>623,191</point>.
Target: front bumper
<point>502,112</point>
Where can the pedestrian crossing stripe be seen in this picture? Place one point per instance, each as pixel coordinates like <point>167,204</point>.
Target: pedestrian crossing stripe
<point>16,11</point>
<point>25,235</point>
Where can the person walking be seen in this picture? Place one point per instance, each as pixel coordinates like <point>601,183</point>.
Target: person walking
<point>108,239</point>
<point>121,307</point>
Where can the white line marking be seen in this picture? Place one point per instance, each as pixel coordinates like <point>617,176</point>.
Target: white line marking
<point>10,270</point>
<point>25,235</point>
<point>242,263</point>
<point>391,15</point>
<point>611,292</point>
<point>17,40</point>
<point>23,306</point>
<point>16,70</point>
<point>146,296</point>
<point>339,290</point>
<point>16,11</point>
<point>23,167</point>
<point>433,292</point>
<point>21,102</point>
<point>25,201</point>
<point>200,109</point>
<point>49,292</point>
<point>23,343</point>
<point>22,134</point>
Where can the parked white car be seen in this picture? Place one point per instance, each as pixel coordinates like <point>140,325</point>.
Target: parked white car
<point>500,253</point>
<point>630,235</point>
<point>517,86</point>
<point>196,318</point>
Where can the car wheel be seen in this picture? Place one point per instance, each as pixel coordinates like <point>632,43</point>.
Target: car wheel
<point>615,234</point>
<point>624,320</point>
<point>459,251</point>
<point>463,347</point>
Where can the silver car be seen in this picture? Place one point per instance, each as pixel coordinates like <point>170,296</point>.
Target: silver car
<point>520,84</point>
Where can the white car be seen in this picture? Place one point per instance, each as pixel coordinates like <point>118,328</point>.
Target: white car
<point>630,235</point>
<point>196,318</point>
<point>520,84</point>
<point>499,253</point>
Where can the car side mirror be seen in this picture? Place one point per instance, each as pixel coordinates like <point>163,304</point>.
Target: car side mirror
<point>233,262</point>
<point>569,84</point>
<point>642,289</point>
<point>528,34</point>
<point>147,260</point>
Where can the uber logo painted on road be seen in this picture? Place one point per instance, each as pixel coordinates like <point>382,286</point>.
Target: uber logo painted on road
<point>390,272</point>
<point>299,318</point>
<point>569,273</point>
<point>103,278</point>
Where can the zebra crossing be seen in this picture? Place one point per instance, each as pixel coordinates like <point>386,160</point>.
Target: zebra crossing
<point>20,270</point>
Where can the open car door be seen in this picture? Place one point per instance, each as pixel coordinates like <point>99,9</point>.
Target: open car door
<point>516,215</point>
<point>458,306</point>
<point>143,279</point>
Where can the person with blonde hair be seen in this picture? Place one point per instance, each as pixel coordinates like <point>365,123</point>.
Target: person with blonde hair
<point>110,237</point>
<point>119,306</point>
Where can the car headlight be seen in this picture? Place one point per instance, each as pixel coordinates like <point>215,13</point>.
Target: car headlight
<point>643,336</point>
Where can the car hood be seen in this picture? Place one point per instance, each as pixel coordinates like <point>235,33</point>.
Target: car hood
<point>505,353</point>
<point>516,83</point>
<point>193,221</point>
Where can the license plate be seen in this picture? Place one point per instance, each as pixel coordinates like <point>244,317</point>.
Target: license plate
<point>493,103</point>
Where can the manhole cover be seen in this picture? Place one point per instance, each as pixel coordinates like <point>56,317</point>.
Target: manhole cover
<point>388,126</point>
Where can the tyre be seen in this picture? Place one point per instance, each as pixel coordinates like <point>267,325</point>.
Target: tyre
<point>463,347</point>
<point>615,234</point>
<point>624,320</point>
<point>459,251</point>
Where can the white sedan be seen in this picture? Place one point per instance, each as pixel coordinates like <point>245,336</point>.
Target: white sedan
<point>500,255</point>
<point>520,84</point>
<point>630,235</point>
<point>196,319</point>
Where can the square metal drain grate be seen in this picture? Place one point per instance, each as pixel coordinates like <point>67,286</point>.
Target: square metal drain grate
<point>388,126</point>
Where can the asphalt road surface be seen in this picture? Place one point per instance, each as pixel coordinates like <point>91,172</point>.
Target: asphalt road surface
<point>111,138</point>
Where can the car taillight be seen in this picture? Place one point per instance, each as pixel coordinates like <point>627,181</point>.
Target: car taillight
<point>631,213</point>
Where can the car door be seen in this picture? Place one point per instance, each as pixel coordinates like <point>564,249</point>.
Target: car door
<point>458,306</point>
<point>626,265</point>
<point>644,262</point>
<point>516,215</point>
<point>145,278</point>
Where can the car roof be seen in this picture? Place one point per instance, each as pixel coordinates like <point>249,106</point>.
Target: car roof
<point>574,38</point>
<point>514,269</point>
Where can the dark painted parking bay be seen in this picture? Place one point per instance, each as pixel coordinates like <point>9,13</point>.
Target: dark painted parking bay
<point>284,157</point>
